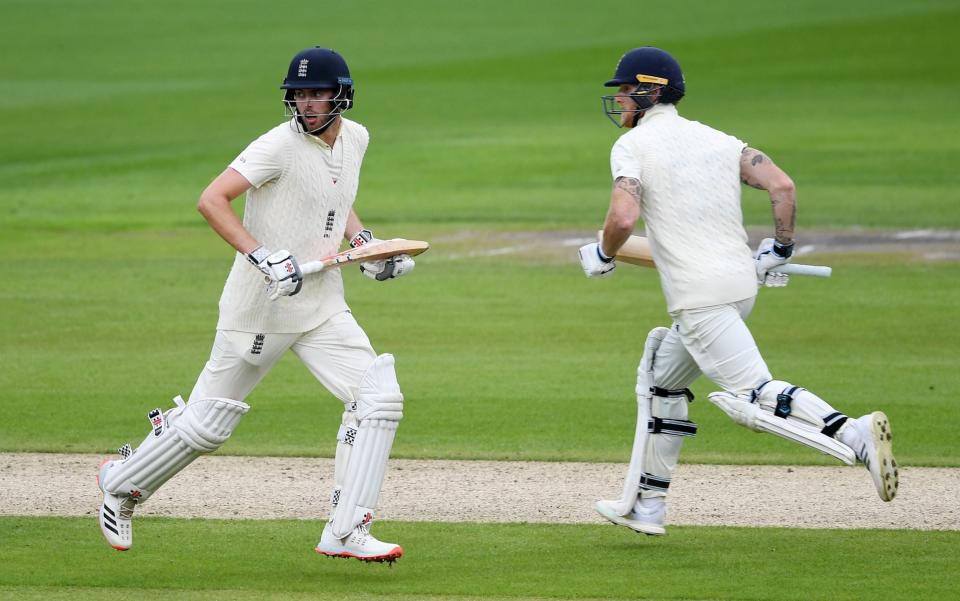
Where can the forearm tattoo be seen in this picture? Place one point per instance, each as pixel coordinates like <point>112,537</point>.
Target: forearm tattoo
<point>630,185</point>
<point>784,224</point>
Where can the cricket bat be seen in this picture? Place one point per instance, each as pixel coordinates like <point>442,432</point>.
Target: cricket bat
<point>636,251</point>
<point>368,252</point>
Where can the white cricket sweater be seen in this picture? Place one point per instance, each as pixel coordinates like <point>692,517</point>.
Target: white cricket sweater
<point>690,185</point>
<point>300,203</point>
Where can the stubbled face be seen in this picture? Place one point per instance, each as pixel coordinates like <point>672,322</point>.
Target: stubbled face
<point>627,103</point>
<point>314,107</point>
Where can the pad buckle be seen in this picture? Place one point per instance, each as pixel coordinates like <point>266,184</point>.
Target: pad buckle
<point>784,400</point>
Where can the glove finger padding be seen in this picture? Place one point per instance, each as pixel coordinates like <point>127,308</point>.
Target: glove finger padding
<point>387,269</point>
<point>775,279</point>
<point>767,260</point>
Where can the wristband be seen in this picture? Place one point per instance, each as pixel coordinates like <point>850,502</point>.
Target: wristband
<point>604,258</point>
<point>784,251</point>
<point>258,255</point>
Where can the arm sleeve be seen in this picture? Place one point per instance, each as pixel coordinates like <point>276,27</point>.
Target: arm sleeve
<point>623,163</point>
<point>261,161</point>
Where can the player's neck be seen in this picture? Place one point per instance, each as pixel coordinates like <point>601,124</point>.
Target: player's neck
<point>330,134</point>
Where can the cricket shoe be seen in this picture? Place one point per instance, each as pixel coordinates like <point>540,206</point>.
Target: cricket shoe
<point>359,544</point>
<point>872,442</point>
<point>116,514</point>
<point>646,517</point>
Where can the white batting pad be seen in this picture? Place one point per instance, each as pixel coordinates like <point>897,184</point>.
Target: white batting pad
<point>804,405</point>
<point>179,436</point>
<point>667,428</point>
<point>379,410</point>
<point>644,381</point>
<point>759,419</point>
<point>346,436</point>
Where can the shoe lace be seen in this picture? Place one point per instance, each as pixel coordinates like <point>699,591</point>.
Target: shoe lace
<point>362,532</point>
<point>126,508</point>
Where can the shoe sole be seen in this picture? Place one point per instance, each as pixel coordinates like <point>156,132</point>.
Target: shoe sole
<point>99,515</point>
<point>886,477</point>
<point>619,520</point>
<point>388,558</point>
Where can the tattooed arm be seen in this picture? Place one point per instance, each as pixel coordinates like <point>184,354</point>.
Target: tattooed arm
<point>623,214</point>
<point>758,171</point>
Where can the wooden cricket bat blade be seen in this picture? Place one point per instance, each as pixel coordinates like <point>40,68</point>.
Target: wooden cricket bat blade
<point>636,251</point>
<point>368,252</point>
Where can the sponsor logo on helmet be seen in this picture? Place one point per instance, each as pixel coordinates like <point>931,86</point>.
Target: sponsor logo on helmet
<point>302,69</point>
<point>652,79</point>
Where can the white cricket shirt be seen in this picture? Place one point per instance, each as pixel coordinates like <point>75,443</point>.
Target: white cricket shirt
<point>690,185</point>
<point>302,191</point>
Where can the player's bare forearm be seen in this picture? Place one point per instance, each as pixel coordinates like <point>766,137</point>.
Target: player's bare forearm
<point>758,171</point>
<point>623,214</point>
<point>354,225</point>
<point>214,205</point>
<point>784,204</point>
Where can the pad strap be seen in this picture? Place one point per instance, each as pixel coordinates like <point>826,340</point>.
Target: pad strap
<point>665,392</point>
<point>832,423</point>
<point>651,482</point>
<point>676,427</point>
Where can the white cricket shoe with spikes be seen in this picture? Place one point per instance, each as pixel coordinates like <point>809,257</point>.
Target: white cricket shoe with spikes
<point>647,516</point>
<point>872,442</point>
<point>359,544</point>
<point>116,514</point>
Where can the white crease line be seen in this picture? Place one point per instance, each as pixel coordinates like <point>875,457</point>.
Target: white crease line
<point>493,252</point>
<point>577,241</point>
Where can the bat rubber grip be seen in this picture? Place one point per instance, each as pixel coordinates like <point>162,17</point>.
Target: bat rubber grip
<point>311,267</point>
<point>820,271</point>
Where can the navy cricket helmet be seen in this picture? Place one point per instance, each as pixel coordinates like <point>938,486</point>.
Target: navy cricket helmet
<point>319,69</point>
<point>653,66</point>
<point>649,70</point>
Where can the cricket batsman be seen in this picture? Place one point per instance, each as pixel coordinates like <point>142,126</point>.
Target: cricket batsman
<point>683,178</point>
<point>300,180</point>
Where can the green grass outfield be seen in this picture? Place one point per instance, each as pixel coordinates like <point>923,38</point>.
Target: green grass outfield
<point>519,359</point>
<point>116,117</point>
<point>485,117</point>
<point>209,559</point>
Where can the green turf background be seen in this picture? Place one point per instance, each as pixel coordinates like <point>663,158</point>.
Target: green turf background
<point>214,559</point>
<point>485,118</point>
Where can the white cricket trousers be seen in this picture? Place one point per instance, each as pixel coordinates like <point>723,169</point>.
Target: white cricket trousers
<point>337,353</point>
<point>716,341</point>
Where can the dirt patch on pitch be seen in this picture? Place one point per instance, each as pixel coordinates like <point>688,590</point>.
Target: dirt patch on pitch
<point>922,245</point>
<point>39,484</point>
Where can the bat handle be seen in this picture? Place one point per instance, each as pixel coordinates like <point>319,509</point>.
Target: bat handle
<point>311,267</point>
<point>820,271</point>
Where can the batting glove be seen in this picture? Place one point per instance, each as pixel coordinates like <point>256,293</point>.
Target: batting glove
<point>383,269</point>
<point>283,275</point>
<point>770,255</point>
<point>595,264</point>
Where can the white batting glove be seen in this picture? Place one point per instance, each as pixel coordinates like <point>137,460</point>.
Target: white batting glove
<point>595,264</point>
<point>770,255</point>
<point>281,269</point>
<point>383,269</point>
